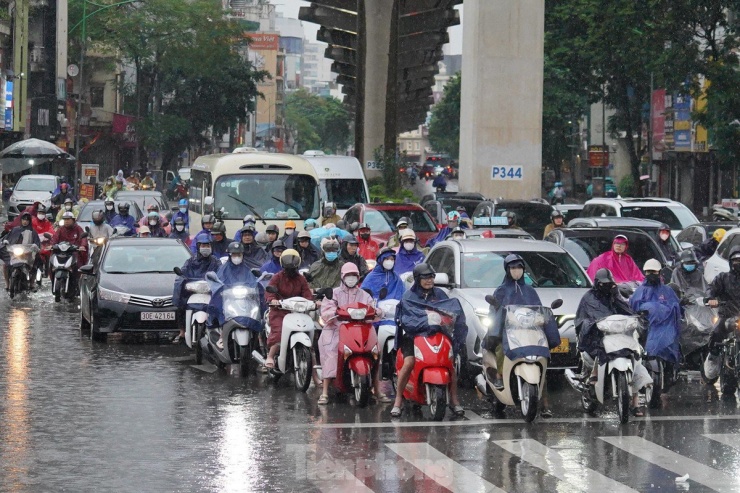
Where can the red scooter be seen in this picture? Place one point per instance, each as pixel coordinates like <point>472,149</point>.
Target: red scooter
<point>432,373</point>
<point>358,351</point>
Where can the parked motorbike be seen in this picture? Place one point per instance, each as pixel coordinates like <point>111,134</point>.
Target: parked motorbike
<point>523,376</point>
<point>196,314</point>
<point>21,270</point>
<point>240,330</point>
<point>63,264</point>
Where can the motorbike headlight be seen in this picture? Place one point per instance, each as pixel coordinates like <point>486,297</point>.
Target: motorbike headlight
<point>239,291</point>
<point>357,313</point>
<point>200,287</point>
<point>108,295</point>
<point>417,353</point>
<point>17,251</point>
<point>100,240</point>
<point>485,320</point>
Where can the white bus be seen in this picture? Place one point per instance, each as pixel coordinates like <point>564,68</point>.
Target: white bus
<point>341,179</point>
<point>272,187</point>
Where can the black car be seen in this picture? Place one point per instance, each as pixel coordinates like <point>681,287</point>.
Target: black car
<point>532,215</point>
<point>696,234</point>
<point>127,286</point>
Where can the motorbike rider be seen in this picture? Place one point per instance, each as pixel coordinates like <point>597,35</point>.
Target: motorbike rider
<point>709,246</point>
<point>123,218</point>
<point>99,229</point>
<point>309,253</point>
<point>440,183</point>
<point>557,194</point>
<point>273,265</point>
<point>347,293</point>
<point>330,214</point>
<point>220,241</point>
<point>402,224</point>
<point>664,242</point>
<point>326,273</point>
<point>557,222</point>
<point>408,254</point>
<point>724,288</point>
<point>247,221</point>
<point>41,223</point>
<point>144,232</point>
<point>182,213</point>
<point>512,220</point>
<point>206,223</point>
<point>458,234</point>
<point>290,234</point>
<point>618,261</point>
<point>72,233</point>
<point>23,234</point>
<point>108,187</point>
<point>424,292</point>
<point>272,233</point>
<point>289,283</point>
<point>254,255</point>
<point>148,182</point>
<point>349,253</point>
<point>689,274</point>
<point>383,276</point>
<point>310,224</point>
<point>110,210</point>
<point>368,247</point>
<point>119,186</point>
<point>64,194</point>
<point>453,221</point>
<point>179,231</point>
<point>68,206</point>
<point>154,222</point>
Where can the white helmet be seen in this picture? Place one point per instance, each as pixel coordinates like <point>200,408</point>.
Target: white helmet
<point>651,264</point>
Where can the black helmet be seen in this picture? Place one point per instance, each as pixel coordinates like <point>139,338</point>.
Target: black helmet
<point>26,215</point>
<point>687,257</point>
<point>422,270</point>
<point>277,244</point>
<point>234,247</point>
<point>351,240</point>
<point>735,253</point>
<point>512,259</point>
<point>664,227</point>
<point>383,251</point>
<point>556,213</point>
<point>603,276</point>
<point>98,217</point>
<point>123,207</point>
<point>207,218</point>
<point>219,228</point>
<point>248,229</point>
<point>179,220</point>
<point>272,229</point>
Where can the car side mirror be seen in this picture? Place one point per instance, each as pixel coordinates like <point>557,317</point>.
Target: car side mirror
<point>178,271</point>
<point>685,245</point>
<point>87,269</point>
<point>271,289</point>
<point>441,279</point>
<point>556,304</point>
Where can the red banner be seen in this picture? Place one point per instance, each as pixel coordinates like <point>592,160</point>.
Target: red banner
<point>124,125</point>
<point>87,191</point>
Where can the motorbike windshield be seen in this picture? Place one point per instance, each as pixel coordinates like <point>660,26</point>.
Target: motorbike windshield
<point>22,254</point>
<point>619,332</point>
<point>525,325</point>
<point>241,301</point>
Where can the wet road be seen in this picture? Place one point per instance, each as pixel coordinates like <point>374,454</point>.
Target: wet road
<point>139,416</point>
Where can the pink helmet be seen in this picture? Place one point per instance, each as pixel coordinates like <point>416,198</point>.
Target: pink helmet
<point>350,268</point>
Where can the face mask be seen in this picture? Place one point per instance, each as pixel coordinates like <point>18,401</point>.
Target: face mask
<point>652,278</point>
<point>516,273</point>
<point>42,217</point>
<point>365,236</point>
<point>289,231</point>
<point>153,222</point>
<point>109,207</point>
<point>388,264</point>
<point>309,228</point>
<point>331,256</point>
<point>689,267</point>
<point>606,289</point>
<point>236,259</point>
<point>183,210</point>
<point>351,281</point>
<point>736,267</point>
<point>180,227</point>
<point>409,245</point>
<point>664,236</point>
<point>205,251</point>
<point>68,207</point>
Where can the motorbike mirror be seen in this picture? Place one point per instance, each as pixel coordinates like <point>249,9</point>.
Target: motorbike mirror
<point>556,304</point>
<point>271,289</point>
<point>328,293</point>
<point>256,272</point>
<point>87,229</point>
<point>178,271</point>
<point>383,293</point>
<point>211,276</point>
<point>492,301</point>
<point>308,276</point>
<point>48,236</point>
<point>381,245</point>
<point>84,235</point>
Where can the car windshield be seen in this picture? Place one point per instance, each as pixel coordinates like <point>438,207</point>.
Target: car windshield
<point>345,192</point>
<point>674,217</point>
<point>542,269</point>
<point>141,259</point>
<point>384,221</point>
<point>36,185</point>
<point>272,196</point>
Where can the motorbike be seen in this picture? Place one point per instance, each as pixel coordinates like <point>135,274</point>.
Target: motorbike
<point>621,372</point>
<point>63,265</point>
<point>358,351</point>
<point>21,270</point>
<point>524,376</point>
<point>196,314</point>
<point>386,339</point>
<point>296,351</point>
<point>696,330</point>
<point>240,330</point>
<point>43,262</point>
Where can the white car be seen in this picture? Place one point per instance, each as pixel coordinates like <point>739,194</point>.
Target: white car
<point>719,262</point>
<point>474,268</point>
<point>676,215</point>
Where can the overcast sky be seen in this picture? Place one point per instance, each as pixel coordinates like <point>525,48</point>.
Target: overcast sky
<point>289,8</point>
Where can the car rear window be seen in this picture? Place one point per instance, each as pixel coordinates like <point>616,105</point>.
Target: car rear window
<point>674,217</point>
<point>532,218</point>
<point>381,221</point>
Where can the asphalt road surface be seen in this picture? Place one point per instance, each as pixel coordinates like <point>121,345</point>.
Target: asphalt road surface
<point>136,414</point>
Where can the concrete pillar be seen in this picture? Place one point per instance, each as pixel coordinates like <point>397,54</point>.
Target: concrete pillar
<point>377,35</point>
<point>501,107</point>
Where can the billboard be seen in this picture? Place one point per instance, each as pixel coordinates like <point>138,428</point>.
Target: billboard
<point>263,54</point>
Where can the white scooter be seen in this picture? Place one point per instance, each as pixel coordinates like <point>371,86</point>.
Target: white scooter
<point>523,377</point>
<point>196,314</point>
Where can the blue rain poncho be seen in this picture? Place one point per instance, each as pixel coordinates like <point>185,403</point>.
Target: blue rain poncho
<point>229,276</point>
<point>406,261</point>
<point>379,278</point>
<point>319,234</point>
<point>194,269</point>
<point>664,315</point>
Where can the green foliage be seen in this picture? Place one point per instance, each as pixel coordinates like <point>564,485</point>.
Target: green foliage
<point>627,186</point>
<point>379,191</point>
<point>391,166</point>
<point>444,125</point>
<point>317,122</point>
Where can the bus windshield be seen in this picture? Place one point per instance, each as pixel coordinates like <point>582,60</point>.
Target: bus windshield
<point>271,196</point>
<point>345,192</point>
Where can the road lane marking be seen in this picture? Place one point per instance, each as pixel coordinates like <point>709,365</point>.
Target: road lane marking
<point>676,463</point>
<point>328,474</point>
<point>554,464</point>
<point>730,439</point>
<point>443,470</point>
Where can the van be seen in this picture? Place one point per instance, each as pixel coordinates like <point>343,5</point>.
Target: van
<point>341,180</point>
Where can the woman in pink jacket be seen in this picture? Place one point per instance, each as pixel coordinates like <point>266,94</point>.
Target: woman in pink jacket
<point>348,292</point>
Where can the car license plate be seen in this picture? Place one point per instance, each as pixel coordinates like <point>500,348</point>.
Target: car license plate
<point>564,347</point>
<point>158,315</point>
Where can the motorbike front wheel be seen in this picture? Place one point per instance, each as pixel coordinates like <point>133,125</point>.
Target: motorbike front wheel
<point>245,358</point>
<point>438,404</point>
<point>362,391</point>
<point>15,284</point>
<point>303,367</point>
<point>198,333</point>
<point>588,400</point>
<point>623,398</point>
<point>528,401</point>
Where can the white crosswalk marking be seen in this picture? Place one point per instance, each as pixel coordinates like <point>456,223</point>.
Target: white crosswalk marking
<point>553,463</point>
<point>676,463</point>
<point>443,470</point>
<point>729,439</point>
<point>328,474</point>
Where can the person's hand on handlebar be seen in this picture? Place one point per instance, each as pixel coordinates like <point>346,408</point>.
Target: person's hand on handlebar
<point>275,303</point>
<point>713,303</point>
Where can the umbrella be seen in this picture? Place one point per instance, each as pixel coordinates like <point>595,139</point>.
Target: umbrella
<point>30,152</point>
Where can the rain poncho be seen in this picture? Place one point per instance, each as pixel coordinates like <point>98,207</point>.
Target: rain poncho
<point>593,307</point>
<point>194,269</point>
<point>309,255</point>
<point>690,282</point>
<point>288,286</point>
<point>272,266</point>
<point>379,278</point>
<point>418,315</point>
<point>254,255</point>
<point>706,249</point>
<point>219,247</point>
<point>193,245</point>
<point>441,236</point>
<point>664,315</point>
<point>127,221</point>
<point>368,248</point>
<point>406,261</point>
<point>622,267</point>
<point>231,275</point>
<point>325,274</point>
<point>318,234</point>
<point>184,216</point>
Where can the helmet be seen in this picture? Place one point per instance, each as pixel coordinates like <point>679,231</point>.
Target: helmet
<point>460,209</point>
<point>290,224</point>
<point>556,213</point>
<point>109,201</point>
<point>310,223</point>
<point>148,173</point>
<point>68,215</point>
<point>207,219</point>
<point>687,257</point>
<point>249,219</point>
<point>329,245</point>
<point>152,207</point>
<point>277,244</point>
<point>123,207</point>
<point>144,229</point>
<point>453,216</point>
<point>734,253</point>
<point>364,226</point>
<point>510,215</point>
<point>183,202</point>
<point>98,217</point>
<point>248,229</point>
<point>383,252</point>
<point>203,238</point>
<point>40,209</point>
<point>234,247</point>
<point>407,234</point>
<point>558,183</point>
<point>403,220</point>
<point>664,227</point>
<point>272,229</point>
<point>603,276</point>
<point>487,234</point>
<point>68,201</point>
<point>651,264</point>
<point>422,270</point>
<point>342,224</point>
<point>458,230</point>
<point>620,239</point>
<point>219,228</point>
<point>26,215</point>
<point>349,268</point>
<point>153,215</point>
<point>179,220</point>
<point>304,235</point>
<point>718,234</point>
<point>63,185</point>
<point>290,259</point>
<point>513,259</point>
<point>351,240</point>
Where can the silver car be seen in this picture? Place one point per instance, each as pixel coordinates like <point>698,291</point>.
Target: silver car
<point>474,269</point>
<point>31,189</point>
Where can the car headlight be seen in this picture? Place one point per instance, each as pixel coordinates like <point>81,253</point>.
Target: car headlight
<point>108,295</point>
<point>484,317</point>
<point>417,353</point>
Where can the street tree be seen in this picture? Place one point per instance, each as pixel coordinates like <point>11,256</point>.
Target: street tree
<point>444,125</point>
<point>317,122</point>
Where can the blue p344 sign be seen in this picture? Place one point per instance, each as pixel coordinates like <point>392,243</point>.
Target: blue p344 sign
<point>506,173</point>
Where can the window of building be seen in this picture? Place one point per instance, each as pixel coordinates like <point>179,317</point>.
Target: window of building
<point>97,96</point>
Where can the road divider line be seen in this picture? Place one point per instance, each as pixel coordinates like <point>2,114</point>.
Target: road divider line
<point>729,439</point>
<point>443,470</point>
<point>328,474</point>
<point>554,464</point>
<point>676,463</point>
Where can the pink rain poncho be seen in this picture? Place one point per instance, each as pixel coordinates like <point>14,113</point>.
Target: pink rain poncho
<point>622,267</point>
<point>329,339</point>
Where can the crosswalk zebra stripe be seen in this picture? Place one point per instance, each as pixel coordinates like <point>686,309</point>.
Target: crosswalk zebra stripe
<point>443,470</point>
<point>676,463</point>
<point>550,461</point>
<point>729,439</point>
